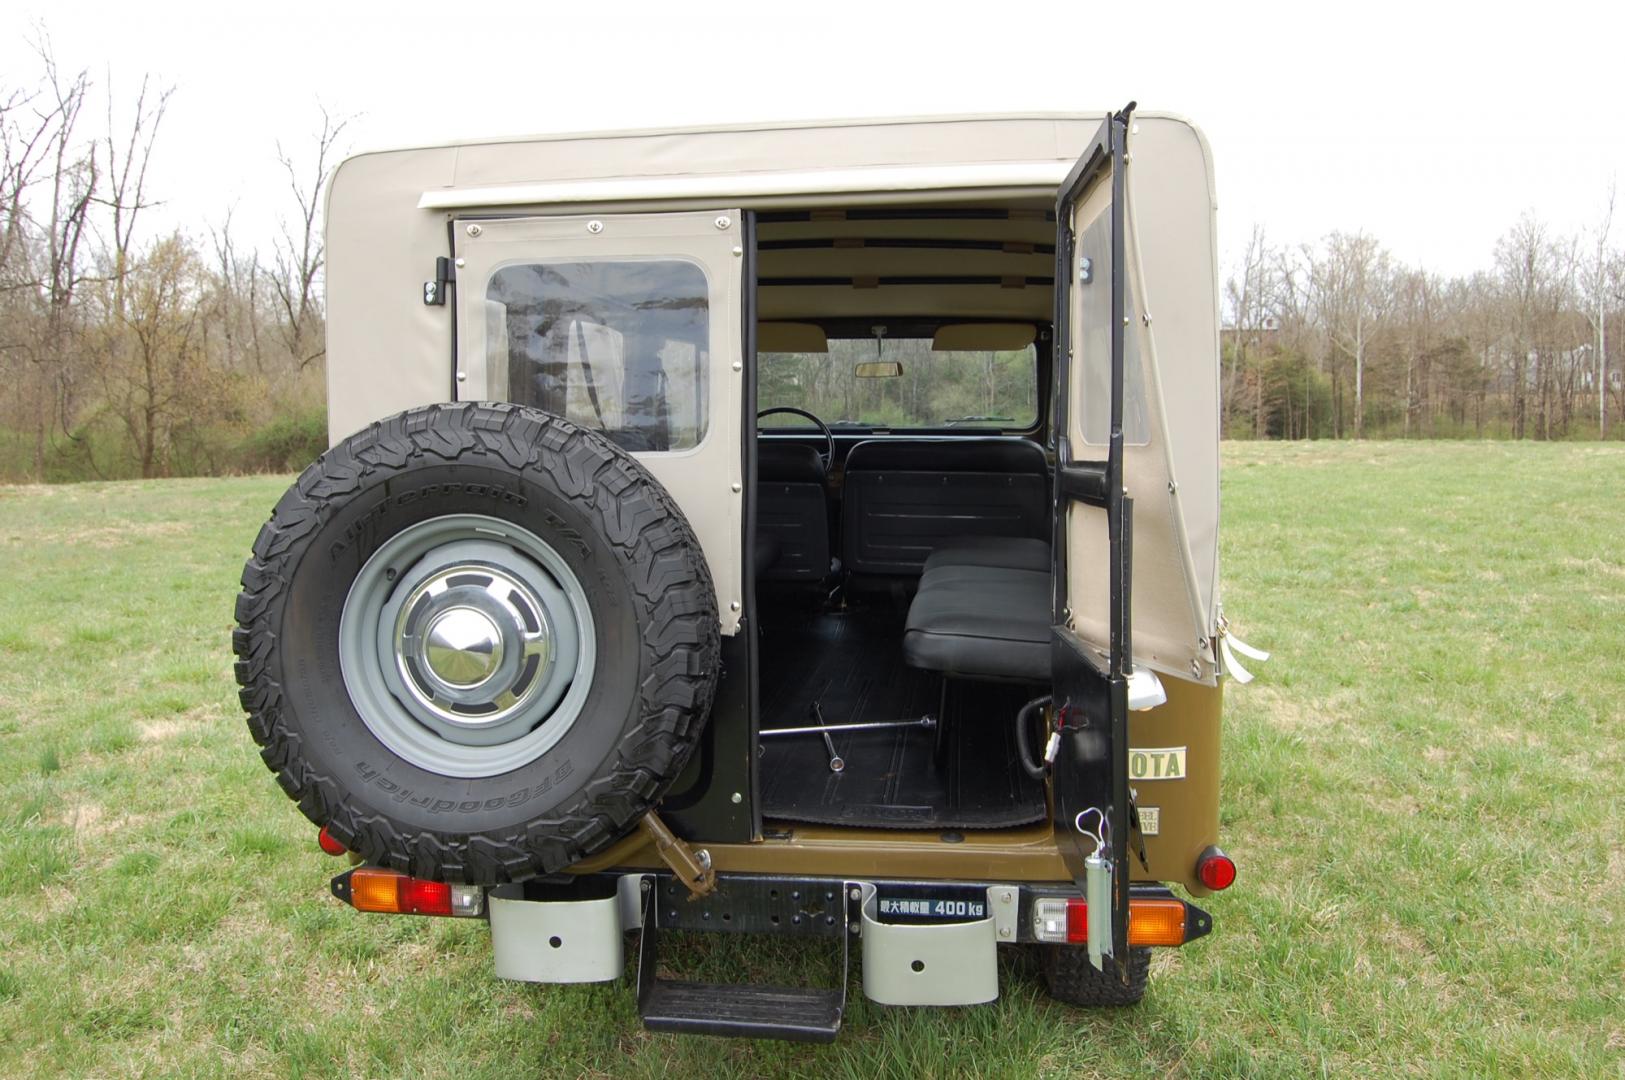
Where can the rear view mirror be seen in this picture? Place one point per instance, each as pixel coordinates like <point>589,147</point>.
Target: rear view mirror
<point>878,369</point>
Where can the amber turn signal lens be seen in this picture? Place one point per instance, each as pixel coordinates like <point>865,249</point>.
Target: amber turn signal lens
<point>376,890</point>
<point>1156,922</point>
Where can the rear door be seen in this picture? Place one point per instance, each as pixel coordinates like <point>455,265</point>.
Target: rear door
<point>1137,467</point>
<point>630,324</point>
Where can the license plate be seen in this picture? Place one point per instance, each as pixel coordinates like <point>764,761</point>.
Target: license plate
<point>930,904</point>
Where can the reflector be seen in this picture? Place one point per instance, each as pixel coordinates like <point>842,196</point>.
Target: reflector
<point>1216,869</point>
<point>328,843</point>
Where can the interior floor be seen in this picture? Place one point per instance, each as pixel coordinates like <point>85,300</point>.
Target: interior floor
<point>960,774</point>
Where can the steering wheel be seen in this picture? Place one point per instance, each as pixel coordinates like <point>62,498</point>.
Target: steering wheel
<point>827,458</point>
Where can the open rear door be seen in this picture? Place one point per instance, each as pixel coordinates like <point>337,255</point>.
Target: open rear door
<point>1136,553</point>
<point>1090,771</point>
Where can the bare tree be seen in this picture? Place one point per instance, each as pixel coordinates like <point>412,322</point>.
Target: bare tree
<point>1248,305</point>
<point>237,297</point>
<point>26,137</point>
<point>1349,279</point>
<point>299,251</point>
<point>1414,302</point>
<point>127,161</point>
<point>75,175</point>
<point>161,379</point>
<point>1599,283</point>
<point>1533,272</point>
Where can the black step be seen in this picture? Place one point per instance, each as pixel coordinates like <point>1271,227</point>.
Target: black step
<point>743,1011</point>
<point>748,1012</point>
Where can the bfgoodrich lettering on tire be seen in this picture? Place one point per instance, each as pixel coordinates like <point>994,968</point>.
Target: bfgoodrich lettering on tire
<point>476,642</point>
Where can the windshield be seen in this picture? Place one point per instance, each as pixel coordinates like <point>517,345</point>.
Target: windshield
<point>916,387</point>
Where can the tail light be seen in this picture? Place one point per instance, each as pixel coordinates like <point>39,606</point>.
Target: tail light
<point>1151,921</point>
<point>1215,869</point>
<point>367,888</point>
<point>1156,922</point>
<point>330,843</point>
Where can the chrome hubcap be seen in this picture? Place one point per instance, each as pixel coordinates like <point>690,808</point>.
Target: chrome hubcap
<point>462,647</point>
<point>467,645</point>
<point>471,643</point>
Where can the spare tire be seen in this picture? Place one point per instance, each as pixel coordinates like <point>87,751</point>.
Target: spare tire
<point>476,642</point>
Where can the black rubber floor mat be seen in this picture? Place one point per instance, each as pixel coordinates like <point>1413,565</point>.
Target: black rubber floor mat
<point>852,665</point>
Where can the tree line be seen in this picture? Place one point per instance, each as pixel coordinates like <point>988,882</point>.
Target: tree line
<point>1338,339</point>
<point>131,352</point>
<point>127,352</point>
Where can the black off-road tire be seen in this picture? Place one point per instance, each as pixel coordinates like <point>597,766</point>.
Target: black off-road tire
<point>656,634</point>
<point>1073,980</point>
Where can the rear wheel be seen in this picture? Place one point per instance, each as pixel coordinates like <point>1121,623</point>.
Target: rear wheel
<point>1072,979</point>
<point>476,642</point>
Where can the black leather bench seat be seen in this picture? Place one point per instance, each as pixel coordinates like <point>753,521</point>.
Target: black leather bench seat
<point>983,611</point>
<point>1009,552</point>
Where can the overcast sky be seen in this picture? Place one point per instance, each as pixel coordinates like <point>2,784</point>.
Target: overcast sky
<point>1433,126</point>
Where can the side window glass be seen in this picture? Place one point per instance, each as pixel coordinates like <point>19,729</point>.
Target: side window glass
<point>1095,367</point>
<point>623,347</point>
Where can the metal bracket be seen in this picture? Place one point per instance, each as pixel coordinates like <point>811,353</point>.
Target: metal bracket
<point>692,867</point>
<point>434,292</point>
<point>1004,904</point>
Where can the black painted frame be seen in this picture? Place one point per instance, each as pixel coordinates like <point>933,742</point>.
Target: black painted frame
<point>1090,691</point>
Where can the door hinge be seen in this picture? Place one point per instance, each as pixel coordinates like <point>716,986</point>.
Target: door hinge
<point>434,292</point>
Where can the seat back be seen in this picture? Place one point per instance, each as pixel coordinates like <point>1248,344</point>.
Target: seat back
<point>903,497</point>
<point>792,510</point>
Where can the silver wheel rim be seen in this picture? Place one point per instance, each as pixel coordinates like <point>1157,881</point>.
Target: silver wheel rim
<point>467,645</point>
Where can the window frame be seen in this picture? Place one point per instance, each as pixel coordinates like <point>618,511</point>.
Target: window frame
<point>857,329</point>
<point>704,389</point>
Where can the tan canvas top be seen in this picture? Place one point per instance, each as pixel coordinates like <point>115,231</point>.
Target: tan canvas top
<point>758,164</point>
<point>851,186</point>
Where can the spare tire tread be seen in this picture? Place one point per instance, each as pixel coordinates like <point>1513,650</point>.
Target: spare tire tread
<point>1072,979</point>
<point>681,636</point>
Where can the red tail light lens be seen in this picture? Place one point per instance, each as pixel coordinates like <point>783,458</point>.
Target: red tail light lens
<point>425,897</point>
<point>1216,870</point>
<point>1077,921</point>
<point>329,843</point>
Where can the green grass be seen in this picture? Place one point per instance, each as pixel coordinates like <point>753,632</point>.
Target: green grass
<point>1422,791</point>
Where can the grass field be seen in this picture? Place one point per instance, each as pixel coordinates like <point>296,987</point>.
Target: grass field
<point>1422,790</point>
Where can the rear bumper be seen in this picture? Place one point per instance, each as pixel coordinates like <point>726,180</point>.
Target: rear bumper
<point>576,932</point>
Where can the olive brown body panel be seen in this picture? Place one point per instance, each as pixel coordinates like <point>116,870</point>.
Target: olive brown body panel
<point>1186,812</point>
